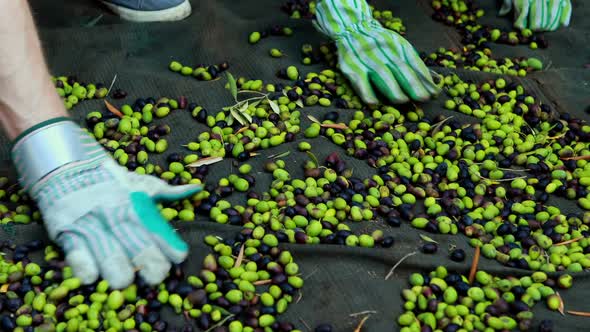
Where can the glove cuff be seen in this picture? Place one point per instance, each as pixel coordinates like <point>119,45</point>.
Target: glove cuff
<point>48,146</point>
<point>339,18</point>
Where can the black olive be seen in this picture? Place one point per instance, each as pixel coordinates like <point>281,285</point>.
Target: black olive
<point>387,242</point>
<point>429,248</point>
<point>324,327</point>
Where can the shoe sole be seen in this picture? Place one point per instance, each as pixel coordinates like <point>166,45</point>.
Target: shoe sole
<point>176,13</point>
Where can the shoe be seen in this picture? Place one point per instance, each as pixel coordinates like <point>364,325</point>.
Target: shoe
<point>150,10</point>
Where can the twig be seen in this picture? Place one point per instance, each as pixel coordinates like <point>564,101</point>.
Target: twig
<point>252,91</point>
<point>578,313</point>
<point>560,309</point>
<point>112,83</point>
<point>437,126</point>
<point>299,297</point>
<point>334,125</point>
<point>311,273</point>
<point>363,313</point>
<point>221,322</point>
<point>569,241</point>
<point>474,264</point>
<point>398,263</point>
<point>576,158</point>
<point>304,324</point>
<point>262,282</point>
<point>361,323</point>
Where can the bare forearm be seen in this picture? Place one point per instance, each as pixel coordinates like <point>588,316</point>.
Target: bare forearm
<point>26,94</point>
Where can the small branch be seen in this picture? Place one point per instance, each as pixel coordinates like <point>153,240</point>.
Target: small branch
<point>252,91</point>
<point>361,323</point>
<point>569,241</point>
<point>587,157</point>
<point>262,282</point>
<point>366,312</point>
<point>398,263</point>
<point>474,264</point>
<point>112,83</point>
<point>578,313</point>
<point>334,125</point>
<point>304,324</point>
<point>221,322</point>
<point>437,126</point>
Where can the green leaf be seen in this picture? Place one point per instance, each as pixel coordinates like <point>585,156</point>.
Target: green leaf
<point>427,239</point>
<point>274,106</point>
<point>243,108</point>
<point>313,119</point>
<point>313,158</point>
<point>280,155</point>
<point>254,104</point>
<point>299,103</point>
<point>247,117</point>
<point>237,116</point>
<point>233,88</point>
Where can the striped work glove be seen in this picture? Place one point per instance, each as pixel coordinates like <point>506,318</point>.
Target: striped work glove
<point>103,216</point>
<point>539,15</point>
<point>373,57</point>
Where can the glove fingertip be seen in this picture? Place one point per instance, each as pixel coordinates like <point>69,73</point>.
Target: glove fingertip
<point>83,266</point>
<point>117,271</point>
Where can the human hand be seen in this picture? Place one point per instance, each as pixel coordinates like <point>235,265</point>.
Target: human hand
<point>373,57</point>
<point>104,217</point>
<point>539,15</point>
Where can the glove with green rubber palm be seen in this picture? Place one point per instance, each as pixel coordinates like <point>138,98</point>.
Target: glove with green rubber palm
<point>104,217</point>
<point>539,15</point>
<point>373,57</point>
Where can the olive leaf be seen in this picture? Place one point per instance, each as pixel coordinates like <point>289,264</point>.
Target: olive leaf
<point>299,103</point>
<point>427,239</point>
<point>280,155</point>
<point>233,88</point>
<point>113,109</point>
<point>274,106</point>
<point>205,161</point>
<point>247,116</point>
<point>237,116</point>
<point>255,103</point>
<point>240,257</point>
<point>313,119</point>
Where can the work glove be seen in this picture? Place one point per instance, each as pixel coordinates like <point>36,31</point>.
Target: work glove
<point>539,15</point>
<point>373,57</point>
<point>103,216</point>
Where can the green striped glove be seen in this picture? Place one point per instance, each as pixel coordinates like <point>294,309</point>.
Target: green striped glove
<point>539,15</point>
<point>104,217</point>
<point>373,57</point>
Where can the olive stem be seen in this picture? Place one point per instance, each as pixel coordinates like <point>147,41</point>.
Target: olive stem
<point>578,313</point>
<point>252,91</point>
<point>361,323</point>
<point>221,322</point>
<point>390,273</point>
